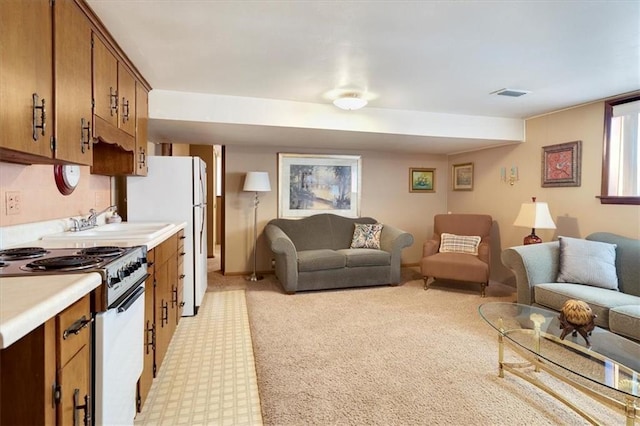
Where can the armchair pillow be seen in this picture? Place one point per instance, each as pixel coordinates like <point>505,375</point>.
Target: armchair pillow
<point>451,243</point>
<point>587,262</point>
<point>366,236</point>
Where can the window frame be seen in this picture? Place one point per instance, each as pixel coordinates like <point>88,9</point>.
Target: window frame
<point>604,197</point>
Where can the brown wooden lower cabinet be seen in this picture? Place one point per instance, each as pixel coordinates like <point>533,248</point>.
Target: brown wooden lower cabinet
<point>45,377</point>
<point>163,309</point>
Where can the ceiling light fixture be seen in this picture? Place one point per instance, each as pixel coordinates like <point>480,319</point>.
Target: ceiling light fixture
<point>350,102</point>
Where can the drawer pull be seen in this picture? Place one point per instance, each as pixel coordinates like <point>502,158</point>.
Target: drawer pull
<point>86,419</point>
<point>182,237</point>
<point>76,327</point>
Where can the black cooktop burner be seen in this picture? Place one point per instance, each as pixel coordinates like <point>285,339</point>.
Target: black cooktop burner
<point>22,253</point>
<point>104,251</point>
<point>64,263</point>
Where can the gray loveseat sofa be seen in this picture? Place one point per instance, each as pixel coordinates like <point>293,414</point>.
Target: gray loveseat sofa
<point>314,253</point>
<point>536,269</point>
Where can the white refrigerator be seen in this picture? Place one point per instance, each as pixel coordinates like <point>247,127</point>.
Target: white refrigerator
<point>175,191</point>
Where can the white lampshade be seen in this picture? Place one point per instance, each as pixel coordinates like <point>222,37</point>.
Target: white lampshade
<point>257,182</point>
<point>350,101</point>
<point>535,215</point>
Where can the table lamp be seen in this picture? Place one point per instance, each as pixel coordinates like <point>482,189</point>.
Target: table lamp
<point>534,215</point>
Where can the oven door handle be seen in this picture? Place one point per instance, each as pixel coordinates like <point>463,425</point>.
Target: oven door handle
<point>126,304</point>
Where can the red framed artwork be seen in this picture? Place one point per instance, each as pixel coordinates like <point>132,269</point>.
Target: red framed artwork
<point>561,164</point>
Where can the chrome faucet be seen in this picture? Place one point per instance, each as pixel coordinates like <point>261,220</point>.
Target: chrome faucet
<point>93,215</point>
<point>90,221</point>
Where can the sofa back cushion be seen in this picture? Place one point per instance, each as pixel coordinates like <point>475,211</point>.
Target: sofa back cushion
<point>627,260</point>
<point>320,231</point>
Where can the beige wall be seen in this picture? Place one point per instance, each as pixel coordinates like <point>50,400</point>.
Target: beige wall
<point>41,199</point>
<point>385,196</point>
<point>575,210</point>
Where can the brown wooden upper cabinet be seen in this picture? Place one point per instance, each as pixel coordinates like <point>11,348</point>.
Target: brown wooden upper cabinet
<point>142,122</point>
<point>72,61</point>
<point>69,93</point>
<point>26,80</point>
<point>114,90</point>
<point>35,127</point>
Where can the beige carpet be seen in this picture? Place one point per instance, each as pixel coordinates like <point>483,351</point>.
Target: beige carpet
<point>391,356</point>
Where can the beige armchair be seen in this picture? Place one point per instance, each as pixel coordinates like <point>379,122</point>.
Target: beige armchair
<point>454,260</point>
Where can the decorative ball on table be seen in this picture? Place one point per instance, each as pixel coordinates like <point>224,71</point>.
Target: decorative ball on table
<point>576,317</point>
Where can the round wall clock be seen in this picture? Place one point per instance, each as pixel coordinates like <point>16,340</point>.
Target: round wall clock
<point>67,177</point>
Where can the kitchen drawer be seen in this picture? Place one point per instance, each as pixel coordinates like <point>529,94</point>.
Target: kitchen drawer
<point>167,249</point>
<point>73,329</point>
<point>151,259</point>
<point>181,239</point>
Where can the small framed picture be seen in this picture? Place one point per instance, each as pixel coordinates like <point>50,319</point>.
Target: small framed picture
<point>561,164</point>
<point>422,180</point>
<point>462,177</point>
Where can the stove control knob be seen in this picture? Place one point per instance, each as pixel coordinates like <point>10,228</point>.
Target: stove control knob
<point>125,272</point>
<point>113,280</point>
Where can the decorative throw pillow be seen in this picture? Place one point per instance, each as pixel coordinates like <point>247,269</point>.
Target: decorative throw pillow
<point>587,262</point>
<point>452,243</point>
<point>366,236</point>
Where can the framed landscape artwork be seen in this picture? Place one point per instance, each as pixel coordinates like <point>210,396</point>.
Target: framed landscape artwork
<point>561,164</point>
<point>462,177</point>
<point>422,180</point>
<point>313,184</point>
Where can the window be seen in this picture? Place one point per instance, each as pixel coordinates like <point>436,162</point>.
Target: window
<point>620,166</point>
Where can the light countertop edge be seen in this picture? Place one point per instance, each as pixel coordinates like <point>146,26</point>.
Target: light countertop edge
<point>28,302</point>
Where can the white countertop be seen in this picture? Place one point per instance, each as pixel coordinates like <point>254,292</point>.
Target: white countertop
<point>83,243</point>
<point>28,302</point>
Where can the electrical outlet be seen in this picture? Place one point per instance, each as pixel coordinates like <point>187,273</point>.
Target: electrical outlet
<point>13,201</point>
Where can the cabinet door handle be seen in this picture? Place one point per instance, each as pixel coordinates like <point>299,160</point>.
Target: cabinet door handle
<point>174,298</point>
<point>86,419</point>
<point>43,117</point>
<point>76,327</point>
<point>182,276</point>
<point>150,337</point>
<point>182,253</point>
<point>165,313</point>
<point>125,110</point>
<point>182,237</point>
<point>141,158</point>
<point>84,128</point>
<point>113,101</point>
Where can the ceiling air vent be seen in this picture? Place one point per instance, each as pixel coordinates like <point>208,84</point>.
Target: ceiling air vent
<point>514,93</point>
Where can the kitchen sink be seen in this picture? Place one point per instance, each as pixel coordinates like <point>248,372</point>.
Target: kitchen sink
<point>115,231</point>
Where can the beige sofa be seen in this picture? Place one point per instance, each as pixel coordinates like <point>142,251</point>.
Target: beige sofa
<point>314,253</point>
<point>536,268</point>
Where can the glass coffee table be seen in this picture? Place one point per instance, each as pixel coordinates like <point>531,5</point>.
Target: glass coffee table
<point>607,371</point>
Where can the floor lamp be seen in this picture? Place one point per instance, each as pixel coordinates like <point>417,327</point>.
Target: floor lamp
<point>256,182</point>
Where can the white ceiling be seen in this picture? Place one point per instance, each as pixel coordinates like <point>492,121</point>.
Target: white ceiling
<point>441,57</point>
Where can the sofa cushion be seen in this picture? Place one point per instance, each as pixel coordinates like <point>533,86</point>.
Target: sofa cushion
<point>366,235</point>
<point>317,260</point>
<point>625,320</point>
<point>366,257</point>
<point>627,265</point>
<point>587,262</point>
<point>553,295</point>
<point>451,243</point>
